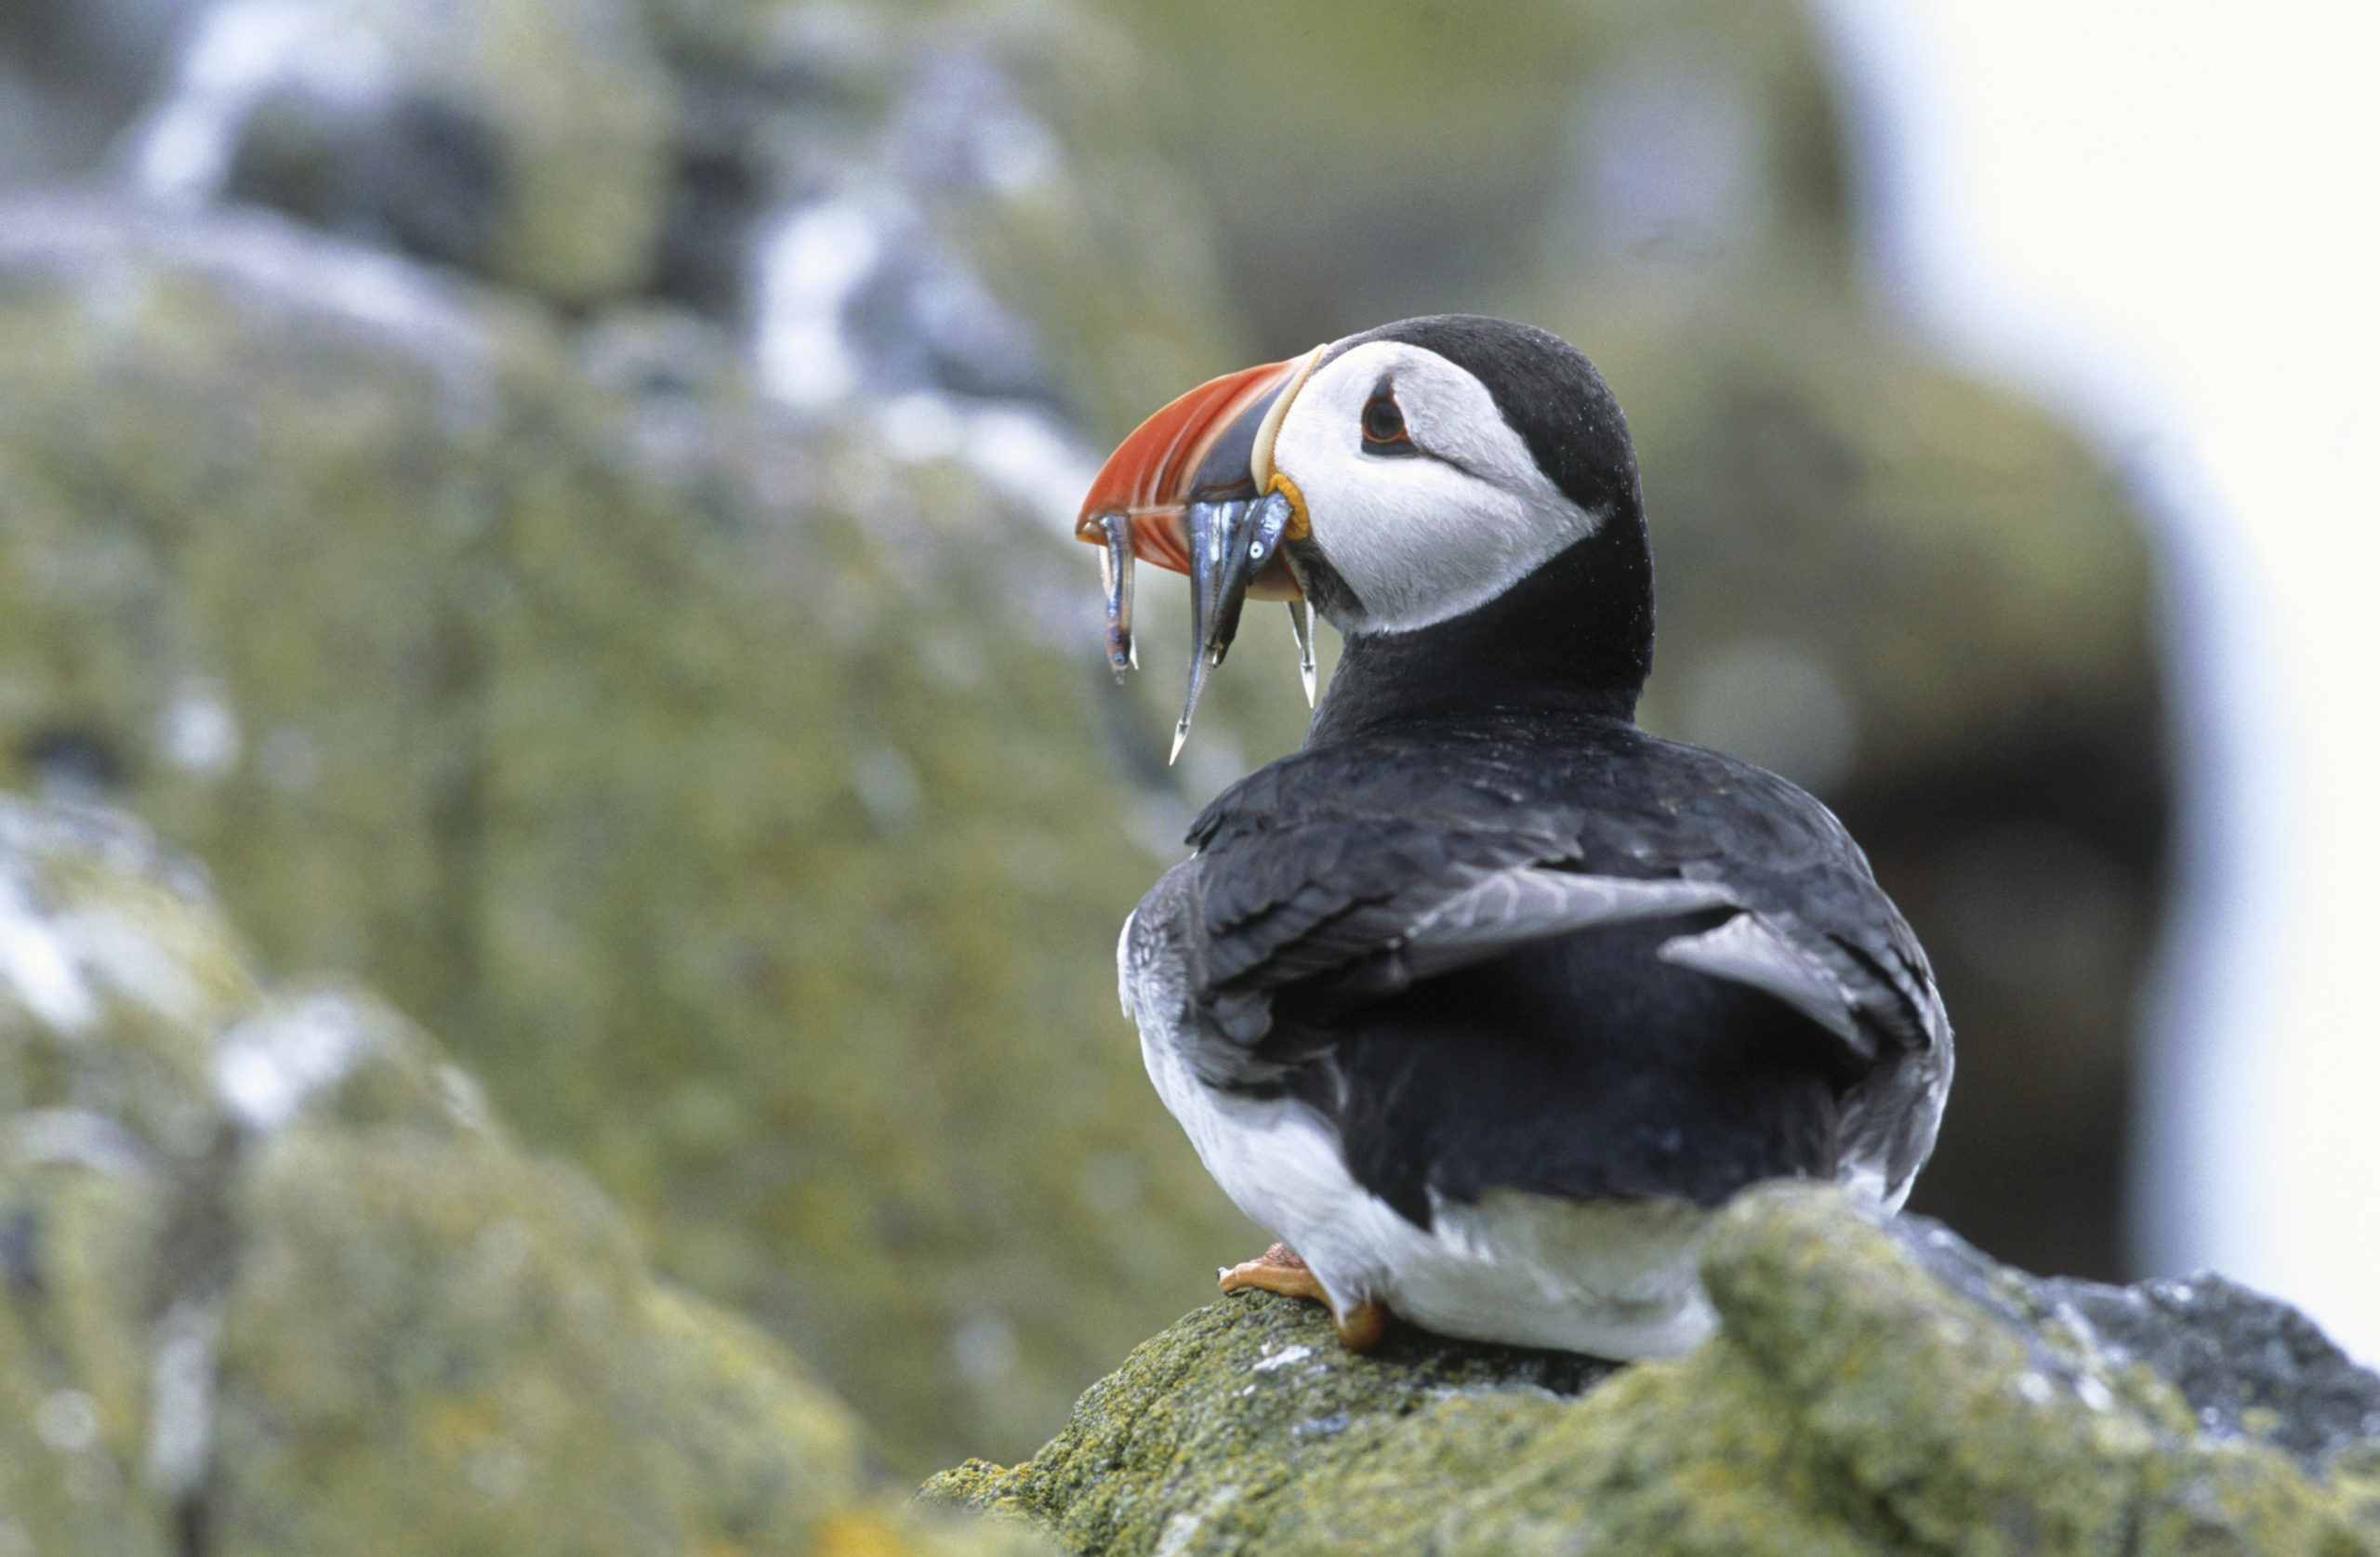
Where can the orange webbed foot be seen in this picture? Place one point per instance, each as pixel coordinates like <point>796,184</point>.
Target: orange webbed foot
<point>1278,1269</point>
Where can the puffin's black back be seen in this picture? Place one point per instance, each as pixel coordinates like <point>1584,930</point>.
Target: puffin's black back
<point>1581,1065</point>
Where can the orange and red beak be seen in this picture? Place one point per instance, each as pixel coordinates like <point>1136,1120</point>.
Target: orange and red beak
<point>1194,489</point>
<point>1216,442</point>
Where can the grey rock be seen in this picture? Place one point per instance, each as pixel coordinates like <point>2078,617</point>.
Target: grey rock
<point>72,74</point>
<point>966,202</point>
<point>2248,1365</point>
<point>273,1278</point>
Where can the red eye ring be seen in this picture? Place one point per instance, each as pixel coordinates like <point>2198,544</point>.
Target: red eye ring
<point>1383,421</point>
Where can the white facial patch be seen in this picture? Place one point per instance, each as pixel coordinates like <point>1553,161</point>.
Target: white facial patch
<point>1426,537</point>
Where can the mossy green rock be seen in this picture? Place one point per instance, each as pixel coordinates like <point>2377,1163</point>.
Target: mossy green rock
<point>721,787</point>
<point>1874,1389</point>
<point>272,1279</point>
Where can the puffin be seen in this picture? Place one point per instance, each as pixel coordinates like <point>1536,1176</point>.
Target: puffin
<point>1484,1000</point>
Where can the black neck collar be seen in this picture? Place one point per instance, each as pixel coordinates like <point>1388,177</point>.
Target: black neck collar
<point>1573,637</point>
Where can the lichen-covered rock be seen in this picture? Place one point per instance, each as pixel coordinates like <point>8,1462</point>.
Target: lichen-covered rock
<point>114,975</point>
<point>1874,1389</point>
<point>525,140</point>
<point>721,785</point>
<point>272,1279</point>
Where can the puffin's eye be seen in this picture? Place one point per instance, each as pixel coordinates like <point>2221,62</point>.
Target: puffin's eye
<point>1384,425</point>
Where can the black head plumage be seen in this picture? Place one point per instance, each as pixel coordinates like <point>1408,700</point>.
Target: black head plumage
<point>1575,633</point>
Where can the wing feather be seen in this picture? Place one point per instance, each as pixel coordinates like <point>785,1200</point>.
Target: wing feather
<point>1524,903</point>
<point>1751,950</point>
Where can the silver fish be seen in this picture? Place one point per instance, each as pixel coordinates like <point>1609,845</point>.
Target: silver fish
<point>1230,544</point>
<point>1302,627</point>
<point>1115,569</point>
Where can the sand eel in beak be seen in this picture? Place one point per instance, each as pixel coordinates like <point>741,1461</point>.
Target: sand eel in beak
<point>1482,1000</point>
<point>1195,490</point>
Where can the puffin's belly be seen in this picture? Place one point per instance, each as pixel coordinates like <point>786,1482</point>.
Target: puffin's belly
<point>1611,1279</point>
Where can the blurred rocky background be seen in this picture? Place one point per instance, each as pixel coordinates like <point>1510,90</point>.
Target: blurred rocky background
<point>278,1280</point>
<point>560,505</point>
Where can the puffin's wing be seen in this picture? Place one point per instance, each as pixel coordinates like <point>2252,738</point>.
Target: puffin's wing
<point>1319,899</point>
<point>1520,903</point>
<point>1868,1004</point>
<point>1831,946</point>
<point>1749,949</point>
<point>1815,932</point>
<point>1818,933</point>
<point>1345,908</point>
<point>1848,955</point>
<point>1462,862</point>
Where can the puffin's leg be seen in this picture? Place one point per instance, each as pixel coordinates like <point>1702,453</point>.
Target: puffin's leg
<point>1361,1327</point>
<point>1278,1269</point>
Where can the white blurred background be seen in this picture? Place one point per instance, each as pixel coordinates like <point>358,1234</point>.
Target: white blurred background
<point>2165,220</point>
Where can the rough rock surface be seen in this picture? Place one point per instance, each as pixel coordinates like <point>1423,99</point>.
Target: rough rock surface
<point>1874,1389</point>
<point>721,786</point>
<point>272,1279</point>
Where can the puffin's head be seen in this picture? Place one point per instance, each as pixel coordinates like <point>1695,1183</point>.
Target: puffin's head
<point>1400,479</point>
